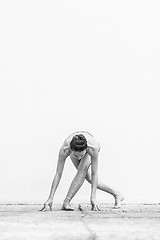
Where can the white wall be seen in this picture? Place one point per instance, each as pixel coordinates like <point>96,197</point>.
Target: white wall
<point>79,65</point>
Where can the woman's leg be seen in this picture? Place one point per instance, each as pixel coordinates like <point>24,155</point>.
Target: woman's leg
<point>101,186</point>
<point>82,168</point>
<point>82,174</point>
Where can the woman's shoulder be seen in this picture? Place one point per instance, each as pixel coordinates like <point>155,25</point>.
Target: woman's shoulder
<point>92,142</point>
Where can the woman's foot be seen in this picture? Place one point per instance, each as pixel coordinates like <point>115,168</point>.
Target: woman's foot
<point>66,206</point>
<point>118,199</point>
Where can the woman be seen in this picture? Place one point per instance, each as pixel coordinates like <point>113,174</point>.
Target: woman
<point>83,150</point>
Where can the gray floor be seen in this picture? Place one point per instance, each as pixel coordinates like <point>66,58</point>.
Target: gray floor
<point>132,221</point>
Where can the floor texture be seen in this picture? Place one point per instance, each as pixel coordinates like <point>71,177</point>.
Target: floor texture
<point>131,222</point>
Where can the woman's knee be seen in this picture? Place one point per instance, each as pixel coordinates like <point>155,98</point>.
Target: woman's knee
<point>83,166</point>
<point>82,171</point>
<point>88,178</point>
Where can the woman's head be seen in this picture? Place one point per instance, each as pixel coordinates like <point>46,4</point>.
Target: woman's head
<point>78,143</point>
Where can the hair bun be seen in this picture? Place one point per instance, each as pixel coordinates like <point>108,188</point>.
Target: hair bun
<point>80,137</point>
<point>78,143</point>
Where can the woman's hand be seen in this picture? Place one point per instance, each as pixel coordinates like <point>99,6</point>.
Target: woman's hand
<point>47,204</point>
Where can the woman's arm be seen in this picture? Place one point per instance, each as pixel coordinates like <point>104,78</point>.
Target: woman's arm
<point>63,154</point>
<point>94,177</point>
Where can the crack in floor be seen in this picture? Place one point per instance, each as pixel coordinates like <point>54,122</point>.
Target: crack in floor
<point>92,235</point>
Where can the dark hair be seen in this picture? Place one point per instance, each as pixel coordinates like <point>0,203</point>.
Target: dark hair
<point>78,143</point>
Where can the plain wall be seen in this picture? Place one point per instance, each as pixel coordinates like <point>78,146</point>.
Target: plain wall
<point>87,65</point>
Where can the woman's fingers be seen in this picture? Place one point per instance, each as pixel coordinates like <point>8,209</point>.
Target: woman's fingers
<point>95,208</point>
<point>50,207</point>
<point>45,207</point>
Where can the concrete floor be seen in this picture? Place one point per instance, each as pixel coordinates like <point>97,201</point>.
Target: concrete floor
<point>132,222</point>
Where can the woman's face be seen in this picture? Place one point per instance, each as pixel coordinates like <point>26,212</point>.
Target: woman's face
<point>79,155</point>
